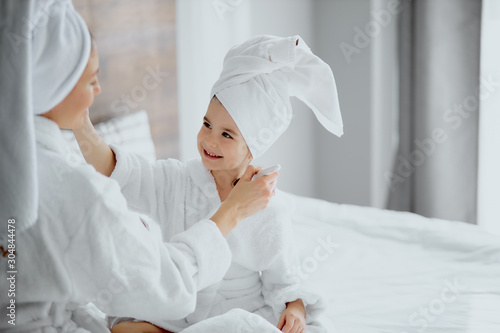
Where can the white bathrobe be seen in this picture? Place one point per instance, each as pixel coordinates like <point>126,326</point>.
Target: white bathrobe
<point>87,246</point>
<point>177,195</point>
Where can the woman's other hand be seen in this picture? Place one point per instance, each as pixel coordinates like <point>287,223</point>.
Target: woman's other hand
<point>247,198</point>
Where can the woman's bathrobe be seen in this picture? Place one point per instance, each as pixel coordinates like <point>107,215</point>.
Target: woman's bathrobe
<point>87,246</point>
<point>260,278</point>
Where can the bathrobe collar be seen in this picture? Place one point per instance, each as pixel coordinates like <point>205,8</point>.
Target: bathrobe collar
<point>202,177</point>
<point>49,136</point>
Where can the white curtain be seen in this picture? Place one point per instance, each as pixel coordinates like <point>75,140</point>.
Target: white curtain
<point>436,166</point>
<point>489,122</point>
<point>205,32</point>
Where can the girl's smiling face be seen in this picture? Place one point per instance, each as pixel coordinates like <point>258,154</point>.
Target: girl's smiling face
<point>220,143</point>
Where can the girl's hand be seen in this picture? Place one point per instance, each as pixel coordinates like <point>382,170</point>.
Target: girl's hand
<point>293,319</point>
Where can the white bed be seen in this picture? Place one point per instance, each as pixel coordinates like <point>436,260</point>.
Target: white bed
<point>397,272</point>
<point>381,271</point>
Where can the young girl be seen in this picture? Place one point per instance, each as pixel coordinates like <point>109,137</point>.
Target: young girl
<point>73,252</point>
<point>248,111</point>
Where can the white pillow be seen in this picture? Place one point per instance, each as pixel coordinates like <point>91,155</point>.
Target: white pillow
<point>131,132</point>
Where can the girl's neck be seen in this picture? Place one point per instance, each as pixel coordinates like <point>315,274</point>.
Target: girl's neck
<point>224,180</point>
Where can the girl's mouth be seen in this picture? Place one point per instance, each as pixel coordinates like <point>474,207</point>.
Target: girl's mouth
<point>210,155</point>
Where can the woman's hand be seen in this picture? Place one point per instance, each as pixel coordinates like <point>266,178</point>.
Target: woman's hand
<point>293,319</point>
<point>94,149</point>
<point>247,198</point>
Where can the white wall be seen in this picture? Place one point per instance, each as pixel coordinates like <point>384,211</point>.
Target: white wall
<point>489,122</point>
<point>351,170</point>
<point>314,162</point>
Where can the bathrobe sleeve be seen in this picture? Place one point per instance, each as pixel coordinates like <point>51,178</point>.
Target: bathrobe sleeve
<point>281,283</point>
<point>149,187</point>
<point>131,272</point>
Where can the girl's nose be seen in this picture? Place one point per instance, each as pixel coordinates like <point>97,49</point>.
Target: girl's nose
<point>211,141</point>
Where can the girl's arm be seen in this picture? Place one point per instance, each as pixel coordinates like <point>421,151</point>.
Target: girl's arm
<point>282,285</point>
<point>94,149</point>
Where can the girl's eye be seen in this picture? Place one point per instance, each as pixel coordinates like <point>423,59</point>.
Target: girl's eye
<point>207,125</point>
<point>93,83</point>
<point>226,135</point>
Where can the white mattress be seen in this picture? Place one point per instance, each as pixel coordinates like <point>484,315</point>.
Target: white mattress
<point>397,272</point>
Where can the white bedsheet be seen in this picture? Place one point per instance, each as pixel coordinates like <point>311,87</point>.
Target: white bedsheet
<point>396,272</point>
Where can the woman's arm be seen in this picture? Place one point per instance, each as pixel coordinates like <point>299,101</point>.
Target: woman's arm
<point>146,186</point>
<point>94,149</point>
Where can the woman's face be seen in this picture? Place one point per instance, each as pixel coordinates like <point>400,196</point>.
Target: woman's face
<point>220,143</point>
<point>72,111</point>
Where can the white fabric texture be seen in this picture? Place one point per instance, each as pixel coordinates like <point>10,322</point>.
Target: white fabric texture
<point>176,195</point>
<point>234,321</point>
<point>257,80</point>
<point>387,271</point>
<point>45,49</point>
<point>86,246</point>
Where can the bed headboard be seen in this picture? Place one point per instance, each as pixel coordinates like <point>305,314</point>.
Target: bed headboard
<point>137,52</point>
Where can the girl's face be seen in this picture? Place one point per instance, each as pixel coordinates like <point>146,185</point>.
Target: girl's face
<point>220,143</point>
<point>72,111</point>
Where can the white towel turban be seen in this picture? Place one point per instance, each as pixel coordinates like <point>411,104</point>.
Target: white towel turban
<point>45,47</point>
<point>61,51</point>
<point>257,80</point>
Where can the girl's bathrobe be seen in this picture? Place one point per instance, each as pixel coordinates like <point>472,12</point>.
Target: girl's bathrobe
<point>87,246</point>
<point>260,278</point>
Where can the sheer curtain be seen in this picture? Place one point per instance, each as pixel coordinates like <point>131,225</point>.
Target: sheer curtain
<point>435,172</point>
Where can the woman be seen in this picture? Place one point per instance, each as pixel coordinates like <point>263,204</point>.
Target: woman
<point>85,244</point>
